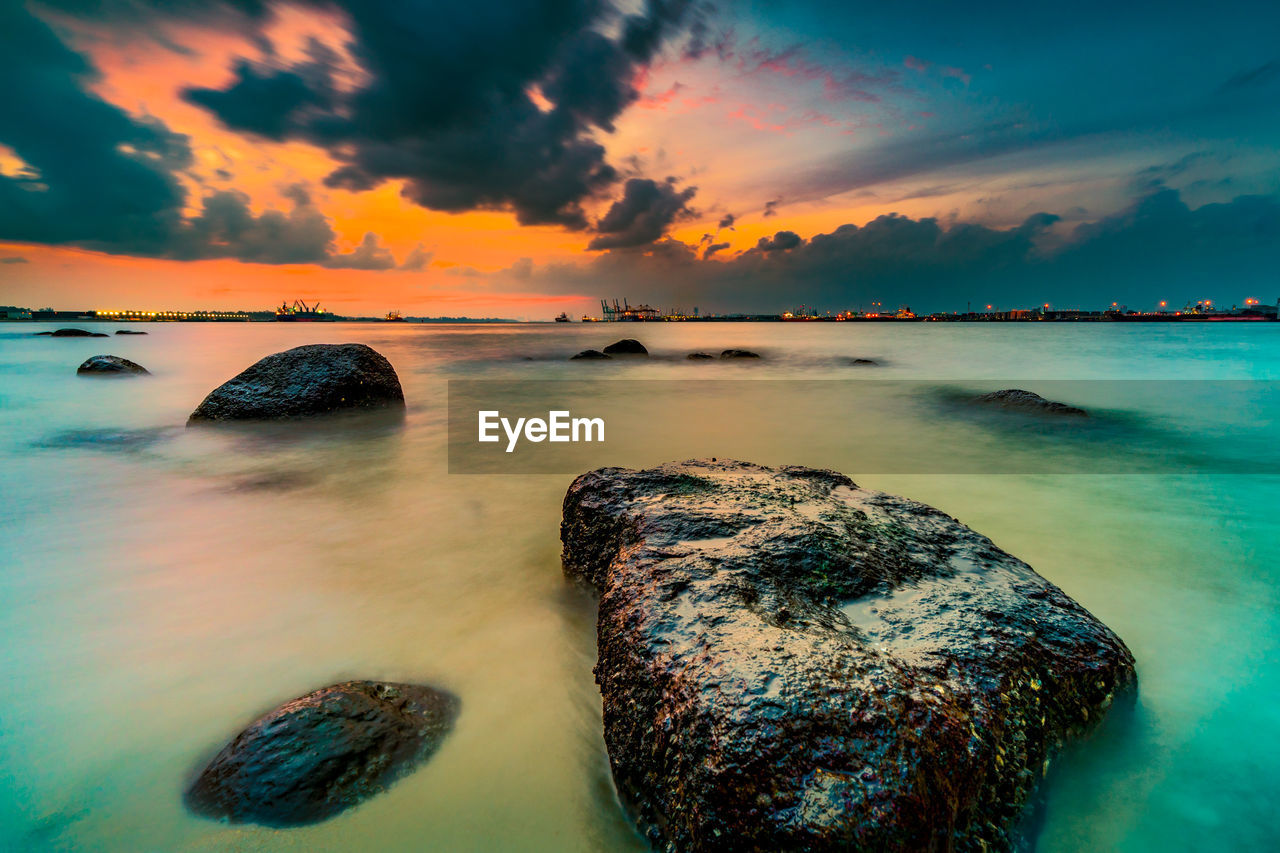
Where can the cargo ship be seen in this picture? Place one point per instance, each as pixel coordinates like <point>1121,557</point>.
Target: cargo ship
<point>301,312</point>
<point>563,318</point>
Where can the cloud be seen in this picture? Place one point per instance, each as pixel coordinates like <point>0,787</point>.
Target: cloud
<point>713,249</point>
<point>367,256</point>
<point>113,185</point>
<point>771,207</point>
<point>478,105</point>
<point>779,242</point>
<point>642,215</point>
<point>1156,249</point>
<point>726,221</point>
<point>14,259</point>
<point>417,260</point>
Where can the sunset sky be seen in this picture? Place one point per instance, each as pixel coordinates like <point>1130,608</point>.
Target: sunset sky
<point>522,158</point>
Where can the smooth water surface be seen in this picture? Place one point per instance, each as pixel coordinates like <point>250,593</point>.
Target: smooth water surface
<point>161,586</point>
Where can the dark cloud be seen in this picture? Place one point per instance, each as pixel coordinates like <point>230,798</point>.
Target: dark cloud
<point>643,214</point>
<point>96,175</point>
<point>726,221</point>
<point>771,207</point>
<point>13,259</point>
<point>779,242</point>
<point>713,248</point>
<point>447,104</point>
<point>227,228</point>
<point>1157,249</point>
<point>99,178</point>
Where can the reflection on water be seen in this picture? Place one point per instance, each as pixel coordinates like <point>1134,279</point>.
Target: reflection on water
<point>164,586</point>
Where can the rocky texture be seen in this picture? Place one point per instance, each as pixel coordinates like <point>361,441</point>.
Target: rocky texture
<point>110,365</point>
<point>324,752</point>
<point>310,380</point>
<point>626,346</point>
<point>1028,401</point>
<point>699,356</point>
<point>739,353</point>
<point>128,332</point>
<point>72,333</point>
<point>588,354</point>
<point>791,662</point>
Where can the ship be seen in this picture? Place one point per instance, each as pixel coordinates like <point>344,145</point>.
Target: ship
<point>301,312</point>
<point>563,318</point>
<point>394,317</point>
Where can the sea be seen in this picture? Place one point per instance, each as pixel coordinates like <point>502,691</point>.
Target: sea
<point>161,587</point>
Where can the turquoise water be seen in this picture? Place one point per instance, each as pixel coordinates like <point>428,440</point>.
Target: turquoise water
<point>162,587</point>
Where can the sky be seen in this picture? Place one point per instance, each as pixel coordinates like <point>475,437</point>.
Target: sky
<point>522,158</point>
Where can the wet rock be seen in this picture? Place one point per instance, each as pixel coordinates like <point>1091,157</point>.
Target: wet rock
<point>310,380</point>
<point>699,356</point>
<point>790,662</point>
<point>626,346</point>
<point>128,332</point>
<point>588,354</point>
<point>1028,401</point>
<point>72,333</point>
<point>322,753</point>
<point>739,353</point>
<point>110,365</point>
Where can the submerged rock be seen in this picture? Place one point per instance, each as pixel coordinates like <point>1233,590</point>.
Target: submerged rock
<point>790,662</point>
<point>324,752</point>
<point>128,332</point>
<point>72,333</point>
<point>864,362</point>
<point>699,356</point>
<point>626,346</point>
<point>111,365</point>
<point>310,380</point>
<point>739,353</point>
<point>588,354</point>
<point>1028,401</point>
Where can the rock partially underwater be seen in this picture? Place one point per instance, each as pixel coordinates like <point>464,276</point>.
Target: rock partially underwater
<point>588,355</point>
<point>626,346</point>
<point>72,333</point>
<point>1029,401</point>
<point>790,662</point>
<point>111,365</point>
<point>317,379</point>
<point>322,753</point>
<point>739,353</point>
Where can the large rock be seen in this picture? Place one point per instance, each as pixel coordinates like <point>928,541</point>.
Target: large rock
<point>626,346</point>
<point>324,752</point>
<point>791,662</point>
<point>739,353</point>
<point>1029,401</point>
<point>309,380</point>
<point>110,365</point>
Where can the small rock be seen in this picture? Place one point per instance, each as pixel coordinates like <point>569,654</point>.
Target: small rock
<point>72,333</point>
<point>626,346</point>
<point>739,353</point>
<point>311,758</point>
<point>310,380</point>
<point>128,332</point>
<point>864,362</point>
<point>588,354</point>
<point>699,356</point>
<point>1028,401</point>
<point>111,365</point>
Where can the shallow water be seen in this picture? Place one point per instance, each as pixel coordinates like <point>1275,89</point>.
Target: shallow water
<point>163,586</point>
